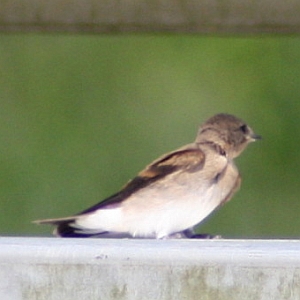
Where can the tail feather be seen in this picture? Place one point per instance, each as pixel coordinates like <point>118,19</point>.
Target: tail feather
<point>57,221</point>
<point>69,230</point>
<point>66,227</point>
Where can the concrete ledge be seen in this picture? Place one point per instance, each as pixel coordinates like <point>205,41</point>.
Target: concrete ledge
<point>50,268</point>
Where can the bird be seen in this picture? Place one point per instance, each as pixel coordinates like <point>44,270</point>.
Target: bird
<point>174,193</point>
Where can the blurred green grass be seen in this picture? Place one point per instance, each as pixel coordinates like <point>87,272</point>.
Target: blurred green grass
<point>80,115</point>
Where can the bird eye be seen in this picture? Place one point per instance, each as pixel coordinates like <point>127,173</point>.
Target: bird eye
<point>244,129</point>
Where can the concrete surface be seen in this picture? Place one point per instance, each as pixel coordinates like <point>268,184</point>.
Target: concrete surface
<point>53,268</point>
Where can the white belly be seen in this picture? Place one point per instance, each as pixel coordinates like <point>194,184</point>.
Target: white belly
<point>161,209</point>
<point>172,211</point>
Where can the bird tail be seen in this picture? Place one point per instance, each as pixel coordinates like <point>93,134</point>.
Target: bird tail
<point>66,227</point>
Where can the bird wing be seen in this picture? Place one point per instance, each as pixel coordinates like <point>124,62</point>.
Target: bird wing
<point>189,158</point>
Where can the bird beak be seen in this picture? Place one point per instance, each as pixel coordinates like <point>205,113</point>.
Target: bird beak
<point>255,137</point>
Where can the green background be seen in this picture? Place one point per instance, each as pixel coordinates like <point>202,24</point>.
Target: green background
<point>81,115</point>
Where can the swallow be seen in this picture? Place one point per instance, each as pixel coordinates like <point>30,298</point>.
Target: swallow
<point>174,193</point>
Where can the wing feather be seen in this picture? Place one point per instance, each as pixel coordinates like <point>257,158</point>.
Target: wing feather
<point>188,159</point>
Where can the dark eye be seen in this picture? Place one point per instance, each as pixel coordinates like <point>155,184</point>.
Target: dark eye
<point>244,129</point>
